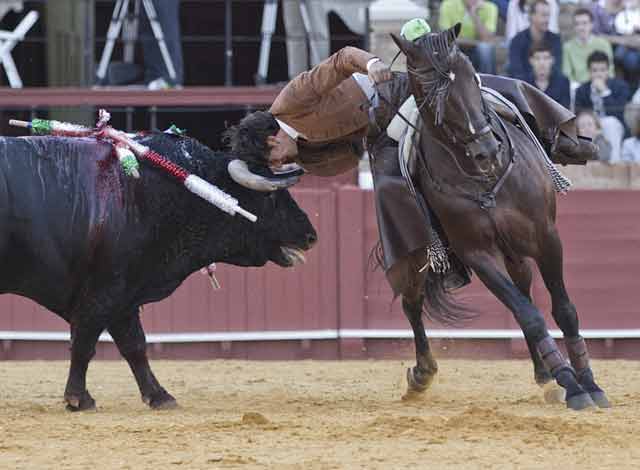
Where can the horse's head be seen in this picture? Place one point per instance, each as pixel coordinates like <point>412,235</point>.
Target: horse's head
<point>447,90</point>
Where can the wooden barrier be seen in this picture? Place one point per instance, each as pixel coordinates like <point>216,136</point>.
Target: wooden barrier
<point>335,296</point>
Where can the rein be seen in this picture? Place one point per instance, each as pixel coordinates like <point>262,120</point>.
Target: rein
<point>486,200</point>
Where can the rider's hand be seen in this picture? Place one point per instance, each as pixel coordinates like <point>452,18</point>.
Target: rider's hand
<point>379,72</point>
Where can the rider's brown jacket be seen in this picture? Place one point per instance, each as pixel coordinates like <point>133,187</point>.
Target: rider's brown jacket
<point>330,111</point>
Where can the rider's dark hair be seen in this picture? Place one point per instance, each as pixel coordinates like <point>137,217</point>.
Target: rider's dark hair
<point>597,56</point>
<point>248,139</point>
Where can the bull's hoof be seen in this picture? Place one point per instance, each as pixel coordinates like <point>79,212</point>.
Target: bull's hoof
<point>553,393</point>
<point>161,400</point>
<point>82,402</point>
<point>580,402</point>
<point>600,399</point>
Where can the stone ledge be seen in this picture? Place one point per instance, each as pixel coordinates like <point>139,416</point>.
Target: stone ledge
<point>598,175</point>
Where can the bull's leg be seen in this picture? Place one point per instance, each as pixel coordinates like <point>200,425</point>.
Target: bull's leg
<point>129,337</point>
<point>521,274</point>
<point>84,337</point>
<point>532,324</point>
<point>565,315</point>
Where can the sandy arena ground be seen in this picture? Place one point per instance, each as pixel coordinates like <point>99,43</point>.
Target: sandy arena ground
<point>315,415</point>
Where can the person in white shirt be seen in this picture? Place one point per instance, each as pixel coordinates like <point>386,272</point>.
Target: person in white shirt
<point>518,17</point>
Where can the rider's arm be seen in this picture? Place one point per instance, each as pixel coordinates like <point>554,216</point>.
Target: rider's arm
<point>309,87</point>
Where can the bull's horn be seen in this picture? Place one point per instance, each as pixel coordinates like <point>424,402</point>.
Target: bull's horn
<point>240,173</point>
<point>288,169</point>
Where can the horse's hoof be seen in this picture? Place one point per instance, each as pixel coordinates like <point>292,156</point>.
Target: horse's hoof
<point>161,401</point>
<point>83,402</point>
<point>580,402</point>
<point>600,399</point>
<point>553,393</point>
<point>416,385</point>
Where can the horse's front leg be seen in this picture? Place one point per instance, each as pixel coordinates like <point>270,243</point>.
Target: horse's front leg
<point>493,275</point>
<point>565,315</point>
<point>520,272</point>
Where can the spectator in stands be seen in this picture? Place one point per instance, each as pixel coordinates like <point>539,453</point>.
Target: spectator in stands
<point>503,6</point>
<point>156,75</point>
<point>627,23</point>
<point>631,145</point>
<point>518,17</point>
<point>604,15</point>
<point>479,20</point>
<point>588,125</point>
<point>552,83</point>
<point>606,97</point>
<point>538,31</point>
<point>576,51</point>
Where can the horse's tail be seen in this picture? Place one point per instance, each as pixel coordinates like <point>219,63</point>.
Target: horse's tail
<point>441,306</point>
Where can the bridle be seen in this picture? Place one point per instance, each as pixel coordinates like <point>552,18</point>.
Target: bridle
<point>436,84</point>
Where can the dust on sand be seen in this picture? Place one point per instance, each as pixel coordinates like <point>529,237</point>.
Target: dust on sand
<point>308,415</point>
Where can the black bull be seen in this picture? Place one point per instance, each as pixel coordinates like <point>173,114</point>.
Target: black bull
<point>92,245</point>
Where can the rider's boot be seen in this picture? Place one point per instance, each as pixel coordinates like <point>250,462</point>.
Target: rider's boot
<point>567,152</point>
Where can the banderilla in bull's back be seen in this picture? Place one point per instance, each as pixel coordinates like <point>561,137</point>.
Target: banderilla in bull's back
<point>126,148</point>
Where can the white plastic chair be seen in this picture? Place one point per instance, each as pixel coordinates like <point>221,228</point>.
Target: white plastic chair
<point>9,40</point>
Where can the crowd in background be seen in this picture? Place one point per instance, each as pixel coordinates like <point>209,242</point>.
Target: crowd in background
<point>595,70</point>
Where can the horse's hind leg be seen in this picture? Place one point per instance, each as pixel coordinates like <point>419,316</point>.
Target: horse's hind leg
<point>532,324</point>
<point>421,376</point>
<point>565,315</point>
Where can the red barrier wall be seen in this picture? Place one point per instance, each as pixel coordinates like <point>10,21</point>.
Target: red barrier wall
<point>336,290</point>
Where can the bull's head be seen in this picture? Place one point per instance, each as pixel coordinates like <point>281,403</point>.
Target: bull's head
<point>282,232</point>
<point>285,230</point>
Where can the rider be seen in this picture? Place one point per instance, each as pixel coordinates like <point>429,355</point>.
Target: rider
<point>324,118</point>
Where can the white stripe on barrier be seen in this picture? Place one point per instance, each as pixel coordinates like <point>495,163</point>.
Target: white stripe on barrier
<point>299,335</point>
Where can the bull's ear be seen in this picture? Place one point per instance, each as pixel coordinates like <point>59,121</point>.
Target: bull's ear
<point>407,47</point>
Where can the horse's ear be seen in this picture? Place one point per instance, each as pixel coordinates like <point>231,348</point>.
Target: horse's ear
<point>405,46</point>
<point>454,31</point>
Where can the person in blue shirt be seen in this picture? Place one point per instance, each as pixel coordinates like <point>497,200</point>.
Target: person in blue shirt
<point>606,97</point>
<point>553,83</point>
<point>537,32</point>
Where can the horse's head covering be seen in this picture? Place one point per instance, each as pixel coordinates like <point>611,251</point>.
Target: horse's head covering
<point>415,28</point>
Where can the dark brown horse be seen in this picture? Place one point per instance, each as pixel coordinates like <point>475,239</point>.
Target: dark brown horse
<point>485,179</point>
